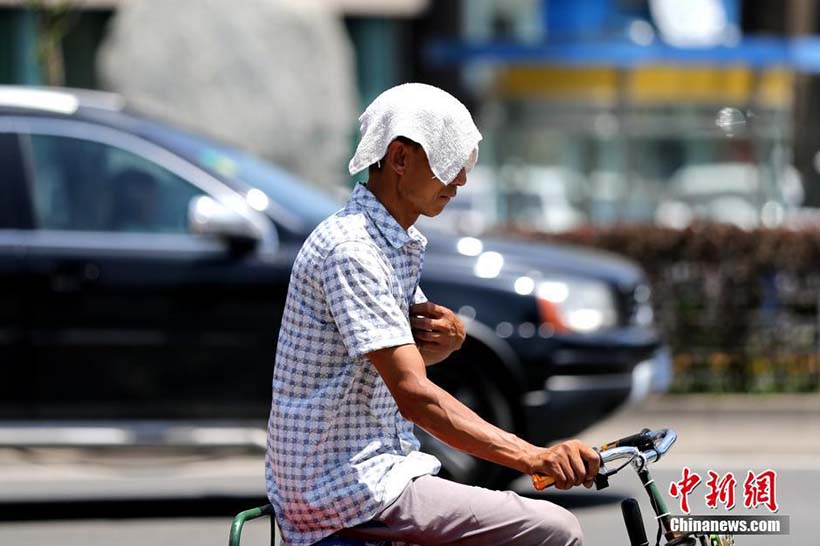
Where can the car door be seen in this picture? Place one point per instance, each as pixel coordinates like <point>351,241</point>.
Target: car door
<point>134,316</point>
<point>16,391</point>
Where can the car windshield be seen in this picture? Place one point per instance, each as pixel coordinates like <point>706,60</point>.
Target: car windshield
<point>291,194</point>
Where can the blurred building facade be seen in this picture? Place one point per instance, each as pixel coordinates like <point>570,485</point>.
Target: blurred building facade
<point>593,111</point>
<point>28,28</point>
<point>600,111</point>
<point>213,66</point>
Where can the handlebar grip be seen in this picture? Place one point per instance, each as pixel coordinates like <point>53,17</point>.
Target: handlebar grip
<point>634,522</point>
<point>541,482</point>
<point>634,440</point>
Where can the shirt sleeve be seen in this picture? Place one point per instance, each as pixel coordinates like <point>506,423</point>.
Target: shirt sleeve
<point>418,296</point>
<point>357,285</point>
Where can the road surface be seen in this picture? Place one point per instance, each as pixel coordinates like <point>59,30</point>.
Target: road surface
<point>120,498</point>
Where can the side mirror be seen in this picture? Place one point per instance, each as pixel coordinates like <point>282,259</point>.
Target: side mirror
<point>209,217</point>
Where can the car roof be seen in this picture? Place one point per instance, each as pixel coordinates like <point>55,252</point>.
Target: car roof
<point>111,110</point>
<point>56,100</point>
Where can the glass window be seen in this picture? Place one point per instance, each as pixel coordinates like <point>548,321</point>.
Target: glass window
<point>654,163</point>
<point>12,184</point>
<point>90,186</point>
<point>521,20</point>
<point>310,203</point>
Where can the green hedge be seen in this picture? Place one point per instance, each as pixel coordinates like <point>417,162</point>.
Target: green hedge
<point>738,308</point>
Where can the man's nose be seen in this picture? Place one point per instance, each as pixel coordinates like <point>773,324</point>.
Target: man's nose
<point>460,179</point>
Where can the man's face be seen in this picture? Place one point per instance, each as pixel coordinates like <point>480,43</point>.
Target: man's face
<point>420,188</point>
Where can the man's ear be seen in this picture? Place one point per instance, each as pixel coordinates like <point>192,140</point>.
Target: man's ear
<point>397,157</point>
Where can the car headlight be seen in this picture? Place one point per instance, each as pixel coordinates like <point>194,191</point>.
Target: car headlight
<point>576,305</point>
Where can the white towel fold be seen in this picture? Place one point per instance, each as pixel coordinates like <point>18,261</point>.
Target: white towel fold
<point>424,114</point>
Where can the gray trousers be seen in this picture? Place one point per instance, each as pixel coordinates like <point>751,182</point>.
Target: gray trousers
<point>432,511</point>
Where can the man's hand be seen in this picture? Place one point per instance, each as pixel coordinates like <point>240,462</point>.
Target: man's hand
<point>437,330</point>
<point>570,463</point>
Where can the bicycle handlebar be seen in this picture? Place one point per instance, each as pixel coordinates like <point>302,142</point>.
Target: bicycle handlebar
<point>652,444</point>
<point>662,440</point>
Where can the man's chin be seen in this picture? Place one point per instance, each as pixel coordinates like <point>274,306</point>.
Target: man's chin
<point>432,213</point>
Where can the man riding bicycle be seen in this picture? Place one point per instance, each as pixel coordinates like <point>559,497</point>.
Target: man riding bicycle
<point>350,381</point>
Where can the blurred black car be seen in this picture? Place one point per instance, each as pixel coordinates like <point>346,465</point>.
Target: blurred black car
<point>143,275</point>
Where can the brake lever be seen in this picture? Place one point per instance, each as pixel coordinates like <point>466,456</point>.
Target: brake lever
<point>639,444</point>
<point>602,477</point>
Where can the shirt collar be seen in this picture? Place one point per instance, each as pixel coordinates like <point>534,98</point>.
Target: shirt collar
<point>390,229</point>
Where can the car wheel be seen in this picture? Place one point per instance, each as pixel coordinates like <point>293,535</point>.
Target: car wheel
<point>460,377</point>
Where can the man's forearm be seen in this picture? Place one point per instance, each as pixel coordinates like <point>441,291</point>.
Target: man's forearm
<point>439,413</point>
<point>436,411</point>
<point>430,359</point>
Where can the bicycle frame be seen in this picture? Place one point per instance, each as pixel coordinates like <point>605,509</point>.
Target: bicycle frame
<point>658,504</point>
<point>639,460</point>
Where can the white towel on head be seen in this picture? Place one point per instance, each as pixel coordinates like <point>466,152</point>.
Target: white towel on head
<point>424,114</point>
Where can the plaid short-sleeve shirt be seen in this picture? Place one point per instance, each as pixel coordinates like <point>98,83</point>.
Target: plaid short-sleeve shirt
<point>338,450</point>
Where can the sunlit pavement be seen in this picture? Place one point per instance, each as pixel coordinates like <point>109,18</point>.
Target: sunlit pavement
<point>728,434</point>
<point>725,434</point>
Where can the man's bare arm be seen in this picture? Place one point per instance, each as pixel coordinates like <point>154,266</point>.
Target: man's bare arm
<point>436,411</point>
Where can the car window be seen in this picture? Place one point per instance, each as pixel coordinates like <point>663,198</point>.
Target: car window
<point>292,194</point>
<point>12,213</point>
<point>86,185</point>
